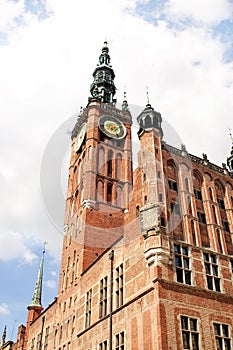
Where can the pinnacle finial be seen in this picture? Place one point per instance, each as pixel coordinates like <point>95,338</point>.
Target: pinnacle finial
<point>36,298</point>
<point>230,158</point>
<point>147,96</point>
<point>125,105</point>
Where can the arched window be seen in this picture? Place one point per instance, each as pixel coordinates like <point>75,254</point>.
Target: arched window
<point>214,214</point>
<point>147,121</point>
<point>89,152</point>
<point>109,192</point>
<point>109,163</point>
<point>118,166</point>
<point>210,193</point>
<point>186,184</point>
<point>100,191</point>
<point>193,232</point>
<point>100,169</point>
<point>219,240</point>
<point>137,210</point>
<point>119,195</point>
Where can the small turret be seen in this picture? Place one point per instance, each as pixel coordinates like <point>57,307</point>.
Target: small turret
<point>149,119</point>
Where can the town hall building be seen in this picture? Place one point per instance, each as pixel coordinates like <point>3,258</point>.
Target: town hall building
<point>147,258</point>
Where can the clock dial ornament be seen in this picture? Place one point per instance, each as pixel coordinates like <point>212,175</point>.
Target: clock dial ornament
<point>112,127</point>
<point>80,137</point>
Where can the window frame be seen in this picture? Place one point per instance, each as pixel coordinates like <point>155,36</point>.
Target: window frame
<point>103,297</point>
<point>212,272</point>
<point>190,333</point>
<point>182,263</point>
<point>88,308</point>
<point>221,336</point>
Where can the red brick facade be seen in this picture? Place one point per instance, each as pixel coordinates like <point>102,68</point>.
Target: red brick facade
<point>147,259</point>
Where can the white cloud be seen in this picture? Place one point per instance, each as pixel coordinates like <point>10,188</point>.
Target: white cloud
<point>46,71</point>
<point>51,284</point>
<point>12,246</point>
<point>4,309</point>
<point>206,11</point>
<point>53,273</point>
<point>10,10</point>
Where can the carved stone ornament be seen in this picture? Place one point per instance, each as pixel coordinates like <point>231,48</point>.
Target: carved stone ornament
<point>150,218</point>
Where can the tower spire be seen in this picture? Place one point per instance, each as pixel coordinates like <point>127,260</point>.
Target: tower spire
<point>103,87</point>
<point>3,337</point>
<point>36,298</point>
<point>230,158</point>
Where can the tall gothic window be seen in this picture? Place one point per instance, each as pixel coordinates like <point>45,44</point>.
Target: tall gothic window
<point>101,161</point>
<point>103,297</point>
<point>118,166</point>
<point>222,336</point>
<point>212,272</point>
<point>109,192</point>
<point>109,164</point>
<point>120,341</point>
<point>183,265</point>
<point>119,283</point>
<point>190,333</point>
<point>88,308</point>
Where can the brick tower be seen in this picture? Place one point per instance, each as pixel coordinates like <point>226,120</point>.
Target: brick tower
<point>100,175</point>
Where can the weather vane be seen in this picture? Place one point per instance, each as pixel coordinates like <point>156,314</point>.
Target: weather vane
<point>147,95</point>
<point>229,129</point>
<point>44,246</point>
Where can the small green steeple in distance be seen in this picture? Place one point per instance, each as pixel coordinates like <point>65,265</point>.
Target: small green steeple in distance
<point>36,298</point>
<point>3,337</point>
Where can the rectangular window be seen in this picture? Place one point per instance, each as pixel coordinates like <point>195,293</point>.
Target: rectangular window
<point>103,306</point>
<point>88,309</point>
<point>175,208</point>
<point>231,265</point>
<point>172,185</point>
<point>103,345</point>
<point>212,273</point>
<point>221,203</point>
<point>222,336</point>
<point>46,338</point>
<point>201,217</point>
<point>120,341</point>
<point>182,261</point>
<point>119,286</point>
<point>197,194</point>
<point>190,333</point>
<point>38,342</point>
<point>225,226</point>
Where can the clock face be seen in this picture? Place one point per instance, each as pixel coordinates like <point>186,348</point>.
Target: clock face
<point>80,137</point>
<point>112,127</point>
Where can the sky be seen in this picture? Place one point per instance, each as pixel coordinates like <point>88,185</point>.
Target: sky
<point>180,50</point>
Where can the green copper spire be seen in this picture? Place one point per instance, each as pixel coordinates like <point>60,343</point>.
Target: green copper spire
<point>36,298</point>
<point>103,87</point>
<point>3,337</point>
